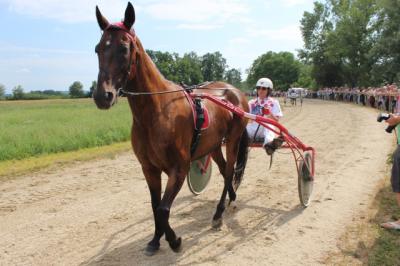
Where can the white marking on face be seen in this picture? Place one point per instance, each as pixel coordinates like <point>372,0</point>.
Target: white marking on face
<point>108,84</point>
<point>108,43</point>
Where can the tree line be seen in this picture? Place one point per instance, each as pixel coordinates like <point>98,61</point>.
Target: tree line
<point>75,91</point>
<point>353,43</point>
<point>192,69</point>
<point>283,68</point>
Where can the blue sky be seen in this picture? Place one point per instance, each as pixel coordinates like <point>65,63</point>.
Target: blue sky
<point>49,44</point>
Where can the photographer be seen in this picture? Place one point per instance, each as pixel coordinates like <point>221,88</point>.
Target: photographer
<point>395,180</point>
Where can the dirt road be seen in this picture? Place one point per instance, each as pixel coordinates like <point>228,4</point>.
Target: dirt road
<point>99,213</point>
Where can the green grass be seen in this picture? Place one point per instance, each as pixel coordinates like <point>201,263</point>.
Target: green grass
<point>33,128</point>
<point>13,168</point>
<point>386,249</point>
<point>365,242</point>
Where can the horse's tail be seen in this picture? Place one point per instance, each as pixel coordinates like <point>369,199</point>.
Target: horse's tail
<point>241,160</point>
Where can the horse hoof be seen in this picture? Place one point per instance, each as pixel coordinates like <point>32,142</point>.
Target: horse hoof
<point>232,205</point>
<point>151,250</point>
<point>216,224</point>
<point>232,196</point>
<point>176,245</point>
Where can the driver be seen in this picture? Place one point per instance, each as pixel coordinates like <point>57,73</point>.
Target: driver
<point>264,104</point>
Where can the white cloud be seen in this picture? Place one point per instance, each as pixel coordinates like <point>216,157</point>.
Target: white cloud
<point>8,48</point>
<point>198,15</point>
<point>238,41</point>
<point>70,11</point>
<point>51,62</point>
<point>38,68</point>
<point>75,11</point>
<point>23,70</point>
<point>242,51</point>
<point>198,26</point>
<point>195,11</point>
<point>47,72</point>
<point>292,3</point>
<point>287,33</point>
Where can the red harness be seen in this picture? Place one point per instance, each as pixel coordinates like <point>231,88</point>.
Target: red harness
<point>206,122</point>
<point>121,26</point>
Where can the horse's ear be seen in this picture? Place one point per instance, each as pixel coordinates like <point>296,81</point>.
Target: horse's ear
<point>103,23</point>
<point>129,16</point>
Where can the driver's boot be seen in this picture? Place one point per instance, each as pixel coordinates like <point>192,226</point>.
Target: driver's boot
<point>276,143</point>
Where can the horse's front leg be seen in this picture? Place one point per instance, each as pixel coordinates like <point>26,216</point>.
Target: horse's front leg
<point>175,181</point>
<point>153,179</point>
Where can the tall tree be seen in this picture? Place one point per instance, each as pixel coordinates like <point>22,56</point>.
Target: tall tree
<point>316,28</point>
<point>351,40</point>
<point>18,92</point>
<point>76,90</point>
<point>165,62</point>
<point>213,66</point>
<point>282,68</point>
<point>92,88</point>
<point>386,52</point>
<point>2,92</point>
<point>234,77</point>
<point>305,79</point>
<point>188,69</point>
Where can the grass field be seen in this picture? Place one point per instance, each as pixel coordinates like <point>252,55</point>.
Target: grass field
<point>32,128</point>
<point>386,248</point>
<point>365,242</point>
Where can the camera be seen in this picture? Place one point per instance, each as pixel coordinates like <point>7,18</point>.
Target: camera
<point>384,116</point>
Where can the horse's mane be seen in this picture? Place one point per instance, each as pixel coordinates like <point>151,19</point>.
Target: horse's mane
<point>149,69</point>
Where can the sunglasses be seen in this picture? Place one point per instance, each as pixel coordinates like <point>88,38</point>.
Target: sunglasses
<point>262,88</point>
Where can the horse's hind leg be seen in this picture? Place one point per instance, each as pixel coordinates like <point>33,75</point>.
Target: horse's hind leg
<point>232,148</point>
<point>153,179</point>
<point>175,181</point>
<point>218,158</point>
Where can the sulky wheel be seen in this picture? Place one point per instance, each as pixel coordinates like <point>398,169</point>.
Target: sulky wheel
<point>305,180</point>
<point>199,174</point>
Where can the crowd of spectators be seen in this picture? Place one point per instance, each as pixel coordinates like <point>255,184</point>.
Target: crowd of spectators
<point>384,98</point>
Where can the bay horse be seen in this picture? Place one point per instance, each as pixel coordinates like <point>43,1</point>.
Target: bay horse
<point>163,122</point>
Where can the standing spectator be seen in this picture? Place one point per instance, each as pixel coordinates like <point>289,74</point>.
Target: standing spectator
<point>395,179</point>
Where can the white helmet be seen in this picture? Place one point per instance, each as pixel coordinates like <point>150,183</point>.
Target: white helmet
<point>265,82</point>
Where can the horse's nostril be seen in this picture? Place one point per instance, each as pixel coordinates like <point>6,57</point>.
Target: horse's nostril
<point>109,96</point>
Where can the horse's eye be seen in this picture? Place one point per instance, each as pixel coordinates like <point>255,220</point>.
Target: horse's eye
<point>96,49</point>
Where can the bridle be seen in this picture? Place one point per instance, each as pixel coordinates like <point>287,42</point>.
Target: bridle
<point>132,44</point>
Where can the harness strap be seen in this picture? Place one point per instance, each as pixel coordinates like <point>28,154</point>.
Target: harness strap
<point>190,89</point>
<point>199,123</point>
<point>183,89</point>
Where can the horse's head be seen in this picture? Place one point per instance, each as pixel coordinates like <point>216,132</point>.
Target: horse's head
<point>117,53</point>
